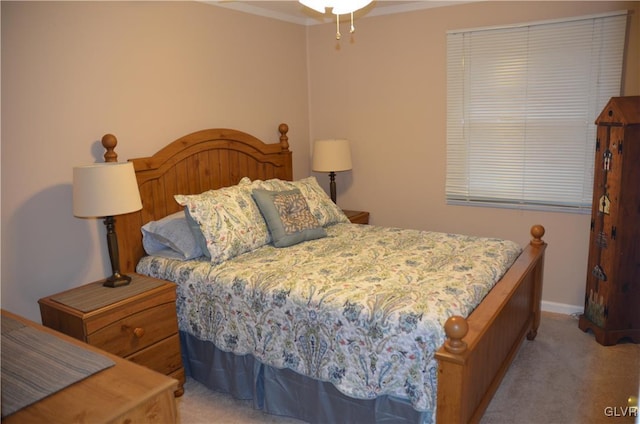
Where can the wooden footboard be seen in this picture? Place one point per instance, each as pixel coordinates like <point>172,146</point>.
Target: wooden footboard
<point>479,350</point>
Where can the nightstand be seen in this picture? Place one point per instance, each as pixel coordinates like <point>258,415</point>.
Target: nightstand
<point>357,217</point>
<point>137,322</point>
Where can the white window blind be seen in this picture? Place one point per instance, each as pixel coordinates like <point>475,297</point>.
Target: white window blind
<point>521,106</point>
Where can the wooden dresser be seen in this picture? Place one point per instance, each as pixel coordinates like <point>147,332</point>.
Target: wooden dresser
<point>612,297</point>
<point>123,393</point>
<point>137,322</point>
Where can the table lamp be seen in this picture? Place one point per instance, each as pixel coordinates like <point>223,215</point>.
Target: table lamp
<point>105,190</point>
<point>333,155</point>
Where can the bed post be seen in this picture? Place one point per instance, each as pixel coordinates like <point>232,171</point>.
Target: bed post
<point>109,142</point>
<point>284,139</point>
<point>283,129</point>
<point>127,223</point>
<point>537,232</point>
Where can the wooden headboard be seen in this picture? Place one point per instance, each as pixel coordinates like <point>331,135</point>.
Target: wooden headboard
<point>197,162</point>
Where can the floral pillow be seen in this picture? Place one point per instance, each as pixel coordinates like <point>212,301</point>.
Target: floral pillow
<point>228,219</point>
<point>288,217</point>
<point>320,204</point>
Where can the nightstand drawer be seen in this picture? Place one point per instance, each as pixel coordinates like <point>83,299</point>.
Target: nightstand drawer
<point>163,357</point>
<point>137,331</point>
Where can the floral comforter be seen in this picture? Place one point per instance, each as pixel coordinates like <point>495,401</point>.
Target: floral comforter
<point>363,308</point>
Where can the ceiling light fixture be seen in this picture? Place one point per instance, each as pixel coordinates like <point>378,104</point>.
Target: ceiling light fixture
<point>338,7</point>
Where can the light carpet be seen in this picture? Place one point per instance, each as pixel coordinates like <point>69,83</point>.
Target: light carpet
<point>563,377</point>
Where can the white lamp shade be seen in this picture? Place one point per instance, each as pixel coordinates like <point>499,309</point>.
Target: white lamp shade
<point>331,155</point>
<point>105,189</point>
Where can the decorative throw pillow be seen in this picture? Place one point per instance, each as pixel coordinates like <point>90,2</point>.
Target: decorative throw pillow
<point>288,217</point>
<point>228,219</point>
<point>170,237</point>
<point>320,204</point>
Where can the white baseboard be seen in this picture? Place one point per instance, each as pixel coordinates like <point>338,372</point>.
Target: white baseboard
<point>561,308</point>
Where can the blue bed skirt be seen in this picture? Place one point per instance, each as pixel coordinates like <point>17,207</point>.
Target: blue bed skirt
<point>286,393</point>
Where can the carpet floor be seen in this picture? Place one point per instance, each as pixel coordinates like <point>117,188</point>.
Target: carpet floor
<point>562,377</point>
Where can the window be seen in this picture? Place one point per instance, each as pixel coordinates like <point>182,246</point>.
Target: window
<point>521,106</point>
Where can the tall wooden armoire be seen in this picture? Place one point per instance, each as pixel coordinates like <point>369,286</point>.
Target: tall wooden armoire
<point>612,298</point>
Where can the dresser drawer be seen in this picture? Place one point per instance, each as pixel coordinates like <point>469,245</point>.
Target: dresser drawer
<point>137,331</point>
<point>163,357</point>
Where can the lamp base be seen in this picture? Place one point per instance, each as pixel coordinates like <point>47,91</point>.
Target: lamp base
<point>332,185</point>
<point>117,280</point>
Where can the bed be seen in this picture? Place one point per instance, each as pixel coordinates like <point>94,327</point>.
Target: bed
<point>324,373</point>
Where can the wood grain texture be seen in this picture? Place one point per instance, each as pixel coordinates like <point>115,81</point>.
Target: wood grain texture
<point>124,393</point>
<point>612,292</point>
<point>142,327</point>
<point>200,161</point>
<point>510,312</point>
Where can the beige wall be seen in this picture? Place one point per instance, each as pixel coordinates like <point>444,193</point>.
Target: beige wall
<point>146,72</point>
<point>151,72</point>
<point>385,90</point>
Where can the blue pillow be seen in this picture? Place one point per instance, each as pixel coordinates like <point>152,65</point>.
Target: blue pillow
<point>288,217</point>
<point>171,238</point>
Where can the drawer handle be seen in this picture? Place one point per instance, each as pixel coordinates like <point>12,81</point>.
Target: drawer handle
<point>138,332</point>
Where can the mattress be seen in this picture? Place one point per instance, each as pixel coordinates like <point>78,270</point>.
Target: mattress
<point>363,308</point>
